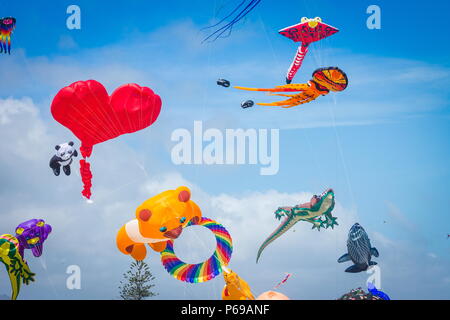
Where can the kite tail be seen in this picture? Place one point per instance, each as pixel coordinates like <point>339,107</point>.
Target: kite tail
<point>85,170</point>
<point>86,177</point>
<point>282,228</point>
<point>297,63</point>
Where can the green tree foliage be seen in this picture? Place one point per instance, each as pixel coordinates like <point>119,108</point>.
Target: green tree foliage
<point>137,282</point>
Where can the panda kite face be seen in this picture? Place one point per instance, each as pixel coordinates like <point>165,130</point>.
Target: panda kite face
<point>65,150</point>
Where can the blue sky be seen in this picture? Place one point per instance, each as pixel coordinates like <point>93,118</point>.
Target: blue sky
<point>382,144</point>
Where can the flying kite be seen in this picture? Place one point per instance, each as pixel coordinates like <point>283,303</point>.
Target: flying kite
<point>94,117</point>
<point>31,235</point>
<point>203,271</point>
<point>319,206</point>
<point>223,82</point>
<point>374,291</point>
<point>359,250</point>
<point>306,32</point>
<point>238,13</point>
<point>283,281</point>
<point>235,287</point>
<point>7,26</point>
<point>159,221</point>
<point>272,295</point>
<point>247,104</point>
<point>359,294</point>
<point>323,81</point>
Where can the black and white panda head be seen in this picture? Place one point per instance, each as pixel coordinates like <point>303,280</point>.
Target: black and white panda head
<point>65,151</point>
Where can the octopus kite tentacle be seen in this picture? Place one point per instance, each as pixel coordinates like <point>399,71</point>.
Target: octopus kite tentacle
<point>324,80</point>
<point>313,211</point>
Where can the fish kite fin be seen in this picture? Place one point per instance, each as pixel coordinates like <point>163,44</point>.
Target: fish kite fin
<point>356,268</point>
<point>372,263</point>
<point>374,252</point>
<point>344,258</point>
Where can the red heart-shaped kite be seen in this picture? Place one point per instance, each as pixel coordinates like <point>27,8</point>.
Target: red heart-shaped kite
<point>85,108</point>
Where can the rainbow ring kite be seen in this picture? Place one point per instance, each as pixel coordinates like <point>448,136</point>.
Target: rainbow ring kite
<point>204,271</point>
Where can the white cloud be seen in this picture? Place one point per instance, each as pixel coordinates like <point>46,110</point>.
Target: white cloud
<point>67,42</point>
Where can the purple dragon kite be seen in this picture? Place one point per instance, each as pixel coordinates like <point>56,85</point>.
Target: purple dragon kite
<point>31,235</point>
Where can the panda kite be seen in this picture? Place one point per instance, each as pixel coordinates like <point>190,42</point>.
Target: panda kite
<point>63,157</point>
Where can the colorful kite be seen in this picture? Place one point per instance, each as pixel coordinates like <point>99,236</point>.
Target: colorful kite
<point>319,206</point>
<point>359,294</point>
<point>204,271</point>
<point>32,235</point>
<point>323,81</point>
<point>235,287</point>
<point>306,32</point>
<point>157,220</point>
<point>242,10</point>
<point>93,116</point>
<point>7,26</point>
<point>29,235</point>
<point>359,250</point>
<point>374,291</point>
<point>283,281</point>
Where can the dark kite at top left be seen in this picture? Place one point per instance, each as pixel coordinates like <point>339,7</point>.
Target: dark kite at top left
<point>7,26</point>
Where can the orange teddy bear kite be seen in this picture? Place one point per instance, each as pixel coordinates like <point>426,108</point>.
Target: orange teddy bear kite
<point>158,219</point>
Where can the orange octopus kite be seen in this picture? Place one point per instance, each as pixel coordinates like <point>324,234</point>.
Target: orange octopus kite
<point>323,81</point>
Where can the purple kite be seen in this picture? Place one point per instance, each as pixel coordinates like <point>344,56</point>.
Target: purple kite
<point>31,235</point>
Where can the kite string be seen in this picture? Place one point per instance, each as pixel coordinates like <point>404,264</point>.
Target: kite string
<point>340,154</point>
<point>306,136</point>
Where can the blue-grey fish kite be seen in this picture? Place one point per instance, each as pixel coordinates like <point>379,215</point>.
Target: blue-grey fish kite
<point>359,250</point>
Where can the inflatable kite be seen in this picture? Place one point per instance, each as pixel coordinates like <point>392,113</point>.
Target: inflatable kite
<point>247,104</point>
<point>32,235</point>
<point>235,287</point>
<point>29,235</point>
<point>306,32</point>
<point>160,220</point>
<point>204,271</point>
<point>359,250</point>
<point>272,295</point>
<point>359,294</point>
<point>323,81</point>
<point>93,116</point>
<point>374,291</point>
<point>223,82</point>
<point>63,158</point>
<point>7,26</point>
<point>238,13</point>
<point>319,206</point>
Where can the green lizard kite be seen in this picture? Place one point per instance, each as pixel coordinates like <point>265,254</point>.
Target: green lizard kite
<point>312,211</point>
